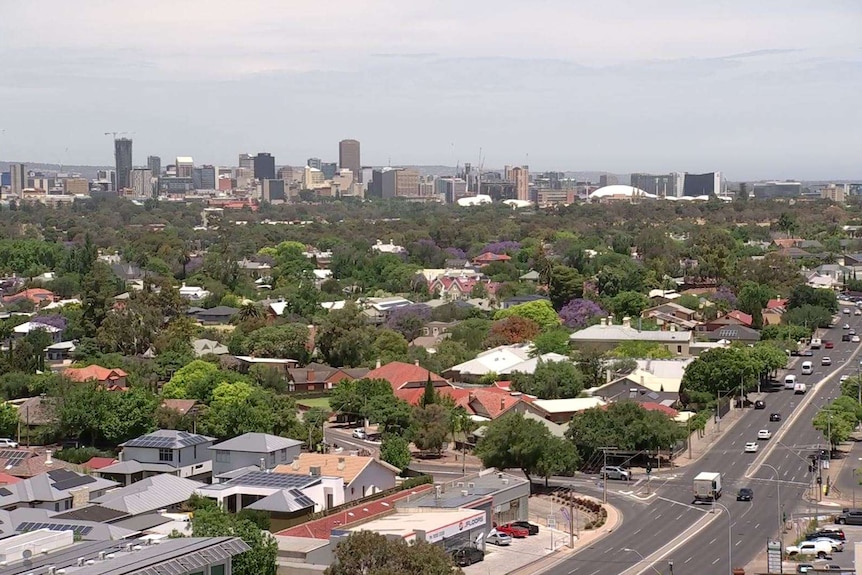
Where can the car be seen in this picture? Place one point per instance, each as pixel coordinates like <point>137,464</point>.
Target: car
<point>745,494</point>
<point>759,404</point>
<point>845,326</point>
<point>359,433</point>
<point>804,568</point>
<point>846,337</point>
<point>6,442</point>
<point>774,417</point>
<point>466,556</point>
<point>857,312</point>
<point>615,472</point>
<point>512,531</point>
<point>832,532</point>
<point>843,378</point>
<point>837,546</point>
<point>819,549</point>
<point>855,339</point>
<point>827,567</point>
<point>851,331</point>
<point>764,434</point>
<point>751,447</point>
<point>847,310</point>
<point>497,538</point>
<point>531,527</point>
<point>849,517</point>
<point>826,360</point>
<point>807,353</point>
<point>828,344</point>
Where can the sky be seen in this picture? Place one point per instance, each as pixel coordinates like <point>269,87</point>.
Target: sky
<point>768,89</point>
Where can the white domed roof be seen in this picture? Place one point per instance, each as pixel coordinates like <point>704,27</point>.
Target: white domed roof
<point>620,190</point>
<point>474,200</point>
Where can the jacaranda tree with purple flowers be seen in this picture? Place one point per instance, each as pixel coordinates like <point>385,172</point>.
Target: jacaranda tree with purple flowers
<point>455,253</point>
<point>409,320</point>
<point>505,247</point>
<point>56,321</point>
<point>579,312</point>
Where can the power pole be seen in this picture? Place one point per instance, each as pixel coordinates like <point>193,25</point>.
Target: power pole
<point>604,473</point>
<point>571,519</point>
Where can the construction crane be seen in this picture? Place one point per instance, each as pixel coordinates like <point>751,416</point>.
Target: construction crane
<point>115,134</point>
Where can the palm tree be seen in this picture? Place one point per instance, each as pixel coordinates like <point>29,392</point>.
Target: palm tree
<point>249,311</point>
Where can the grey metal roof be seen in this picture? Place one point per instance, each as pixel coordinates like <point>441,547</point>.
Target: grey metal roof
<point>612,333</point>
<point>274,480</point>
<point>237,472</point>
<point>132,466</point>
<point>92,513</point>
<point>284,501</point>
<point>256,443</point>
<point>150,494</point>
<point>55,485</point>
<point>140,523</point>
<point>168,439</point>
<point>31,519</point>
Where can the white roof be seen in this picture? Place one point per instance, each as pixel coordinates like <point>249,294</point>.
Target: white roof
<point>61,303</point>
<point>613,333</point>
<point>529,365</point>
<point>322,274</point>
<point>620,190</point>
<point>474,200</point>
<point>331,305</point>
<point>278,307</point>
<point>26,328</point>
<point>571,405</point>
<point>185,160</point>
<point>494,360</point>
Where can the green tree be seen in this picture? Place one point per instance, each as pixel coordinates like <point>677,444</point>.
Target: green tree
<point>566,284</point>
<point>313,421</point>
<point>550,380</point>
<point>835,425</point>
<point>641,350</point>
<point>193,376</point>
<point>784,332</point>
<point>752,298</point>
<point>552,341</point>
<point>471,332</point>
<point>803,295</point>
<point>249,311</point>
<point>430,394</point>
<point>356,398</point>
<point>128,415</point>
<point>259,560</point>
<point>540,311</point>
<point>395,450</point>
<point>559,457</point>
<point>344,336</point>
<point>288,341</point>
<point>370,553</point>
<point>628,304</point>
<point>8,420</point>
<point>430,427</point>
<point>513,441</point>
<point>808,316</point>
<point>388,346</point>
<point>718,370</point>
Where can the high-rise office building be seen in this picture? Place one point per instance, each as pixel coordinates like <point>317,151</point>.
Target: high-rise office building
<point>520,175</point>
<point>123,161</point>
<point>154,163</point>
<point>246,161</point>
<point>273,191</point>
<point>204,177</point>
<point>314,163</point>
<point>185,166</point>
<point>141,181</point>
<point>329,170</point>
<point>661,185</point>
<point>264,166</point>
<point>348,157</point>
<point>708,184</point>
<point>18,177</point>
<point>76,187</point>
<point>400,182</point>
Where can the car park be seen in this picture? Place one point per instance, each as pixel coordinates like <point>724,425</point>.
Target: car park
<point>751,447</point>
<point>759,404</point>
<point>745,494</point>
<point>837,546</point>
<point>764,434</point>
<point>532,528</point>
<point>774,417</point>
<point>614,472</point>
<point>497,538</point>
<point>826,360</point>
<point>466,556</point>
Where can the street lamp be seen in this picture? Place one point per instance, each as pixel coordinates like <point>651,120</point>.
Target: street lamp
<point>643,559</point>
<point>729,535</point>
<point>778,485</point>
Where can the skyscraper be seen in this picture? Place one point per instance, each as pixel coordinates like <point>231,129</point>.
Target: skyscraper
<point>348,157</point>
<point>19,177</point>
<point>314,163</point>
<point>141,181</point>
<point>246,161</point>
<point>521,177</point>
<point>264,166</point>
<point>154,163</point>
<point>185,166</point>
<point>123,161</point>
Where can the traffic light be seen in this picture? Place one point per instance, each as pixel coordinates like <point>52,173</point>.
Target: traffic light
<point>648,467</point>
<point>811,468</point>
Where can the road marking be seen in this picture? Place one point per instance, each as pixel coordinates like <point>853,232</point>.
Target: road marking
<point>756,526</point>
<point>713,540</point>
<point>678,517</point>
<point>687,560</point>
<point>674,544</point>
<point>737,543</point>
<point>609,549</point>
<point>638,531</point>
<point>716,561</point>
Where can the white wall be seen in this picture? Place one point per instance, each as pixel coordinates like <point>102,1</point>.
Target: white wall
<point>373,478</point>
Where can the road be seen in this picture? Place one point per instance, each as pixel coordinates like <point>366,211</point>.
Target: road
<point>337,437</point>
<point>667,514</point>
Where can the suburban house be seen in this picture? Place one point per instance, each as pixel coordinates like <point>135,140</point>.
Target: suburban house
<point>733,333</point>
<point>319,377</point>
<point>37,296</point>
<point>29,462</point>
<point>193,293</point>
<point>112,379</point>
<point>502,360</point>
<point>244,362</point>
<point>732,318</point>
<point>481,403</point>
<point>219,315</point>
<point>377,309</point>
<point>361,476</point>
<point>607,335</point>
<point>58,353</point>
<point>433,333</point>
<point>406,375</point>
<point>653,381</point>
<point>34,412</point>
<point>204,347</point>
<point>54,490</point>
<point>285,494</point>
<point>561,411</point>
<point>487,258</point>
<point>521,299</point>
<point>163,451</point>
<point>25,328</point>
<point>183,407</point>
<point>260,450</point>
<point>672,313</point>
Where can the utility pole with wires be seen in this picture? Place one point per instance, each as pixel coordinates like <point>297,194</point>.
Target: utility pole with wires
<point>605,472</point>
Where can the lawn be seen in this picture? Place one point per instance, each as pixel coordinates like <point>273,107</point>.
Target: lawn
<point>322,402</point>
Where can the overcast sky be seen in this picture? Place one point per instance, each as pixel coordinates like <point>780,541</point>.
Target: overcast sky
<point>757,89</point>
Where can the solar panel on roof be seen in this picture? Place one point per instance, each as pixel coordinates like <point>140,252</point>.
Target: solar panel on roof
<point>4,492</point>
<point>33,526</point>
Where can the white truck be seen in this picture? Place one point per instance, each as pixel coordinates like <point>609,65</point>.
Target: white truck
<point>816,343</point>
<point>707,486</point>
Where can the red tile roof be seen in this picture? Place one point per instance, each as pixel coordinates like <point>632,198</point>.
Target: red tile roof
<point>96,372</point>
<point>98,463</point>
<point>182,406</point>
<point>484,401</point>
<point>743,318</point>
<point>400,374</point>
<point>776,304</point>
<point>488,257</point>
<point>36,295</point>
<point>322,528</point>
<point>653,406</point>
<point>6,479</point>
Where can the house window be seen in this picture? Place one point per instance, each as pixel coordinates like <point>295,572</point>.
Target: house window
<point>217,570</point>
<point>284,454</point>
<point>56,507</point>
<point>679,349</point>
<point>166,454</point>
<point>223,456</point>
<point>272,458</point>
<point>195,452</point>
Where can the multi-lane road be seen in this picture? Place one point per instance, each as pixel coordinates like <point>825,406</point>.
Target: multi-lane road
<point>667,527</point>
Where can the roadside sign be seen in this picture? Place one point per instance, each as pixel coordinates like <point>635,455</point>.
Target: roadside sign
<point>565,513</point>
<point>773,556</point>
<point>552,522</point>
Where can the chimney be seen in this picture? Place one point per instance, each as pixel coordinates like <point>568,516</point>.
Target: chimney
<point>673,327</point>
<point>502,403</point>
<point>341,464</point>
<point>627,322</point>
<point>48,460</point>
<point>610,320</point>
<point>608,376</point>
<point>309,375</point>
<point>295,464</point>
<point>416,363</point>
<point>642,381</point>
<point>378,363</point>
<point>604,321</point>
<point>263,464</point>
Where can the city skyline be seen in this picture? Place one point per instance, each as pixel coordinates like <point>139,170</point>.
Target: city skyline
<point>759,92</point>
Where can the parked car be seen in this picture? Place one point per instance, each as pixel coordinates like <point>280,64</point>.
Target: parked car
<point>532,528</point>
<point>8,443</point>
<point>745,494</point>
<point>751,447</point>
<point>512,531</point>
<point>852,331</point>
<point>847,310</point>
<point>836,545</point>
<point>774,417</point>
<point>764,434</point>
<point>832,532</point>
<point>804,567</point>
<point>854,339</point>
<point>846,326</point>
<point>614,472</point>
<point>849,517</point>
<point>466,556</point>
<point>819,549</point>
<point>497,538</point>
<point>759,404</point>
<point>843,378</point>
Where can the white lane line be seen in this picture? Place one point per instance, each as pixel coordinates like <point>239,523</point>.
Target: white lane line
<point>756,526</point>
<point>713,540</point>
<point>638,531</point>
<point>609,549</point>
<point>737,543</point>
<point>678,517</point>
<point>716,561</point>
<point>687,560</point>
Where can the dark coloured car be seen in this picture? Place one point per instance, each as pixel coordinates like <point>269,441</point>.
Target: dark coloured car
<point>830,532</point>
<point>846,337</point>
<point>531,528</point>
<point>849,517</point>
<point>466,556</point>
<point>745,494</point>
<point>774,417</point>
<point>759,404</point>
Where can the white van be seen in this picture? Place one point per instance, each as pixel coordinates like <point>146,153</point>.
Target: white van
<point>799,388</point>
<point>807,368</point>
<point>789,381</point>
